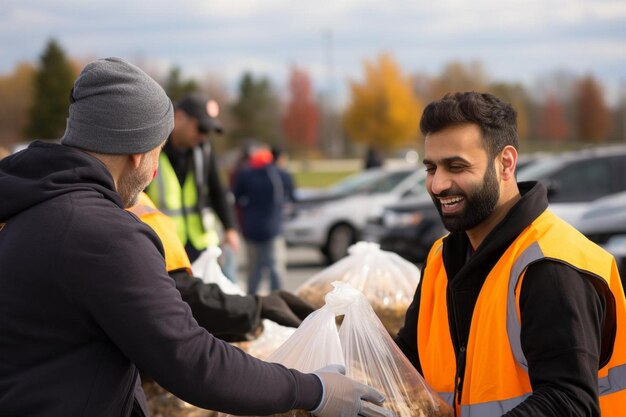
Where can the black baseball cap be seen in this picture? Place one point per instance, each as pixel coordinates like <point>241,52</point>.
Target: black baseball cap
<point>203,109</point>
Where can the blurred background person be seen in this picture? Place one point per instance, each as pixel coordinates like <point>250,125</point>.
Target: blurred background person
<point>259,192</point>
<point>279,159</point>
<point>188,187</point>
<point>373,158</point>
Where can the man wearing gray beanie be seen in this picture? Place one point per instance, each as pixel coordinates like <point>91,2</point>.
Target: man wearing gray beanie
<point>86,300</point>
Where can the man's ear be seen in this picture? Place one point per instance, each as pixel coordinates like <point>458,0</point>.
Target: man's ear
<point>135,159</point>
<point>508,159</point>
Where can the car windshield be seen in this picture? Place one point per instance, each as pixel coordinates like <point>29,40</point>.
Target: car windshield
<point>538,169</point>
<point>370,181</point>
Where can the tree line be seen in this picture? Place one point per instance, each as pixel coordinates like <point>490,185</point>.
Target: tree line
<point>382,112</point>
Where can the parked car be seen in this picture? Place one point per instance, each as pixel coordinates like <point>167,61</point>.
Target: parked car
<point>333,220</point>
<point>604,222</point>
<point>573,179</point>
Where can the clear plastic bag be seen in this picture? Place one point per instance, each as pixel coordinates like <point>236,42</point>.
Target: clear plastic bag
<point>208,269</point>
<point>387,280</point>
<point>369,354</point>
<point>313,345</point>
<point>373,358</point>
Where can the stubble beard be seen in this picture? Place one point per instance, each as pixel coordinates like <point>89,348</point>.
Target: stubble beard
<point>130,185</point>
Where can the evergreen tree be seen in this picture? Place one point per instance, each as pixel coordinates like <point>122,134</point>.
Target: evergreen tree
<point>256,111</point>
<point>53,82</point>
<point>176,87</point>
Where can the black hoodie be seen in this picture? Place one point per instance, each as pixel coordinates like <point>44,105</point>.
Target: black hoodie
<point>85,300</point>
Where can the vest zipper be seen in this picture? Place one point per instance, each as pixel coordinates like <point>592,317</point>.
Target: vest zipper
<point>460,360</point>
<point>460,368</point>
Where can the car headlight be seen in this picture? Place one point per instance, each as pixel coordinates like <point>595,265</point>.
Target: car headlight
<point>395,219</point>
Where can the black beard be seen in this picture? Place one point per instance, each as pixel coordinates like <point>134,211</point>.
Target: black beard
<point>478,204</point>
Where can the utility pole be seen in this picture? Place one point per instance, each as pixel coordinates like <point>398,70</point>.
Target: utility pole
<point>623,105</point>
<point>333,143</point>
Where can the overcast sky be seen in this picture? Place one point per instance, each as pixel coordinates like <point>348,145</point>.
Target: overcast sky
<point>519,40</point>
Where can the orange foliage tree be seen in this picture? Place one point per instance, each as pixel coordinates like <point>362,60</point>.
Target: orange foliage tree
<point>16,91</point>
<point>552,123</point>
<point>594,117</point>
<point>300,120</point>
<point>383,111</point>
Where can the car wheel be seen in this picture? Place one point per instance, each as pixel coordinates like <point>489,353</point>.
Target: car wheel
<point>340,238</point>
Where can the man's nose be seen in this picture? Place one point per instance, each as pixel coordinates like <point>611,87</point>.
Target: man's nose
<point>439,182</point>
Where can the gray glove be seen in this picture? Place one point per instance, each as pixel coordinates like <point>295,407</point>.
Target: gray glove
<point>343,397</point>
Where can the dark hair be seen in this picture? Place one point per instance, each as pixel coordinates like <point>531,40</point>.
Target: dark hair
<point>497,120</point>
<point>277,152</point>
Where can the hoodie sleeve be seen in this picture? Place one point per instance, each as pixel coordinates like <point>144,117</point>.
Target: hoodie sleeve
<point>119,277</point>
<point>228,317</point>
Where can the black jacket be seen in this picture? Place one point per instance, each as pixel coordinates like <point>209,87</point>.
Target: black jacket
<point>564,335</point>
<point>85,301</point>
<point>232,318</point>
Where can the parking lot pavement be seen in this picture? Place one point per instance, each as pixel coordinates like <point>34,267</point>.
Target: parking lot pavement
<point>302,264</point>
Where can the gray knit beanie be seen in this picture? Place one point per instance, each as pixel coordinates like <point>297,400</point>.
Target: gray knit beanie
<point>116,108</point>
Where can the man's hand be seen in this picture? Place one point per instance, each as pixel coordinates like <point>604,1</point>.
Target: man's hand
<point>343,397</point>
<point>231,238</point>
<point>284,308</point>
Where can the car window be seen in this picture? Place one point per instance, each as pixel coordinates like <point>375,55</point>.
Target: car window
<point>538,169</point>
<point>370,182</point>
<point>387,183</point>
<point>354,182</point>
<point>417,189</point>
<point>582,181</point>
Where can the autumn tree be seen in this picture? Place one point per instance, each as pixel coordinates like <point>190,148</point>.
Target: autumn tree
<point>53,82</point>
<point>16,92</point>
<point>176,87</point>
<point>594,117</point>
<point>256,111</point>
<point>515,94</point>
<point>301,117</point>
<point>383,111</point>
<point>552,123</point>
<point>459,76</point>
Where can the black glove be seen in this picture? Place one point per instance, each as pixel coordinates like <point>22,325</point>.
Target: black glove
<point>284,308</point>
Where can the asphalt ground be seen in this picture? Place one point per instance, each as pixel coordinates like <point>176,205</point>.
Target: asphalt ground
<point>302,264</point>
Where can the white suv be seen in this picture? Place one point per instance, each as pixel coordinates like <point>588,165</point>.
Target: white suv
<point>333,220</point>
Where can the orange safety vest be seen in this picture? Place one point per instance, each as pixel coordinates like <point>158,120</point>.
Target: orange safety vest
<point>175,255</point>
<point>496,374</point>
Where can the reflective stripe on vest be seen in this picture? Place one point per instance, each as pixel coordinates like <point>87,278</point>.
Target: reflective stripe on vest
<point>497,381</point>
<point>615,380</point>
<point>180,204</point>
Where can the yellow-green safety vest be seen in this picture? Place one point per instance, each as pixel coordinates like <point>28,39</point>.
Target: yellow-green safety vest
<point>181,205</point>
